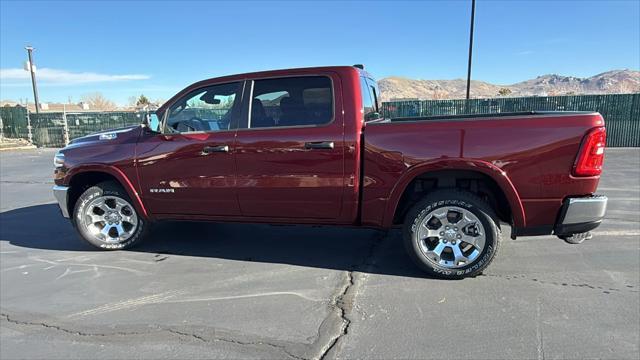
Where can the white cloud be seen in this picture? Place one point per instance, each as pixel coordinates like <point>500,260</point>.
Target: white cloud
<point>64,77</point>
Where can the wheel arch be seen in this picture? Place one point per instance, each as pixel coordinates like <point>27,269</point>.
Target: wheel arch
<point>506,196</point>
<point>80,179</point>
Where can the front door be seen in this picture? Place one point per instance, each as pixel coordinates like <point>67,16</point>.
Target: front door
<point>190,168</point>
<point>290,152</point>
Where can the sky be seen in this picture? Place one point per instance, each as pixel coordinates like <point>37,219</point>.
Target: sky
<point>126,48</point>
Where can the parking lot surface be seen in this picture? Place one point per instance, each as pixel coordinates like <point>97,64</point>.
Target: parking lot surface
<point>197,290</point>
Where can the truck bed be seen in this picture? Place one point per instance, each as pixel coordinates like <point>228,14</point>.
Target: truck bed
<point>533,152</point>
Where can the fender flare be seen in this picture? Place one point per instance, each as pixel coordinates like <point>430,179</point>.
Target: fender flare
<point>118,175</point>
<point>486,168</point>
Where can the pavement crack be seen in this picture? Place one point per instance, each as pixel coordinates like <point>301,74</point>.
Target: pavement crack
<point>601,288</point>
<point>339,303</point>
<point>62,329</point>
<point>281,348</point>
<point>344,301</point>
<point>156,329</point>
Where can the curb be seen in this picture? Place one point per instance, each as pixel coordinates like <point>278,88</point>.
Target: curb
<point>22,147</point>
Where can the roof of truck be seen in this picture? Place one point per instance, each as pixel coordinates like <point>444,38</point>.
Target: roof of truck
<point>288,71</point>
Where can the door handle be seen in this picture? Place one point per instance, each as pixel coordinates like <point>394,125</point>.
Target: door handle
<point>319,145</point>
<point>215,149</point>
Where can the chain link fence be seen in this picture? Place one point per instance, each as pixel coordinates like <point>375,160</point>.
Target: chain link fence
<point>620,111</point>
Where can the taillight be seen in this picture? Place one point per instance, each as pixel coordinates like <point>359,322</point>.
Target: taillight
<point>591,156</point>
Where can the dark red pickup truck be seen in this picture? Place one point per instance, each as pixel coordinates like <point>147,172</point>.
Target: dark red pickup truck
<point>310,146</point>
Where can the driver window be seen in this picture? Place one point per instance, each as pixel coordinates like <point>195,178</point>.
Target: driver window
<point>213,108</point>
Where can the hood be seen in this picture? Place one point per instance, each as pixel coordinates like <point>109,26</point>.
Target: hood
<point>113,135</point>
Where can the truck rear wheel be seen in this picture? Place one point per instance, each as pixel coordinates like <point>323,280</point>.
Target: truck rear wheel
<point>451,234</point>
<point>105,217</point>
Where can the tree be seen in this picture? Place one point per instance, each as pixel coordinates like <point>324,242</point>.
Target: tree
<point>132,101</point>
<point>97,101</point>
<point>143,101</point>
<point>504,92</point>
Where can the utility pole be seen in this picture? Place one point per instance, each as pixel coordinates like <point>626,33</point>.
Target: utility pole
<point>473,12</point>
<point>29,127</point>
<point>65,129</point>
<point>32,70</point>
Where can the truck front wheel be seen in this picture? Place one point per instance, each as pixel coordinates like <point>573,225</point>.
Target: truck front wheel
<point>451,234</point>
<point>105,218</point>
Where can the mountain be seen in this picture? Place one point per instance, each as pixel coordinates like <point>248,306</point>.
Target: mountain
<point>610,82</point>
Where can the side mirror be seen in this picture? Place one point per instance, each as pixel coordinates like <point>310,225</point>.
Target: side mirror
<point>151,122</point>
<point>373,116</point>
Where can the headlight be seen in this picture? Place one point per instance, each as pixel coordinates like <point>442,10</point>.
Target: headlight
<point>58,160</point>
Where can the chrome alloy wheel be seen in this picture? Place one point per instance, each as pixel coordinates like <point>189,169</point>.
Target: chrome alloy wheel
<point>451,237</point>
<point>110,219</point>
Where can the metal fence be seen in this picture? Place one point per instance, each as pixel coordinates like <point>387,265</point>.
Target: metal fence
<point>620,111</point>
<point>54,129</point>
<point>14,122</point>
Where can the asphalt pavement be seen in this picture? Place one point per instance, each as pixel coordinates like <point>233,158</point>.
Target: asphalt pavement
<point>198,290</point>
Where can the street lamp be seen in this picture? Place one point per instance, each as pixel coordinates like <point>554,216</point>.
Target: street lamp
<point>31,67</point>
<point>473,12</point>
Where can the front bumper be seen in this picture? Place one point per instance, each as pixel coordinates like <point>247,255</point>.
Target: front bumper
<point>580,214</point>
<point>60,193</point>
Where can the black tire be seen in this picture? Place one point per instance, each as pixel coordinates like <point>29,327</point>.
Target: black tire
<point>451,198</point>
<point>111,190</point>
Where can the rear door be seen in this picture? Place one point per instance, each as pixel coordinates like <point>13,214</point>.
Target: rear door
<point>190,168</point>
<point>290,149</point>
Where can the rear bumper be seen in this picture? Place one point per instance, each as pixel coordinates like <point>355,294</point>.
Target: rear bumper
<point>60,193</point>
<point>580,214</point>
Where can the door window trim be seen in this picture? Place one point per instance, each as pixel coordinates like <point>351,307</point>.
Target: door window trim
<point>373,95</point>
<point>374,90</point>
<point>245,121</point>
<point>233,126</point>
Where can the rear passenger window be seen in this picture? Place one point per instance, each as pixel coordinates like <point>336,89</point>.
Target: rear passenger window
<point>291,101</point>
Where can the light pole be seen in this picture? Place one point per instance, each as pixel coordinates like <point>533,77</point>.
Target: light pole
<point>32,70</point>
<point>473,12</point>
